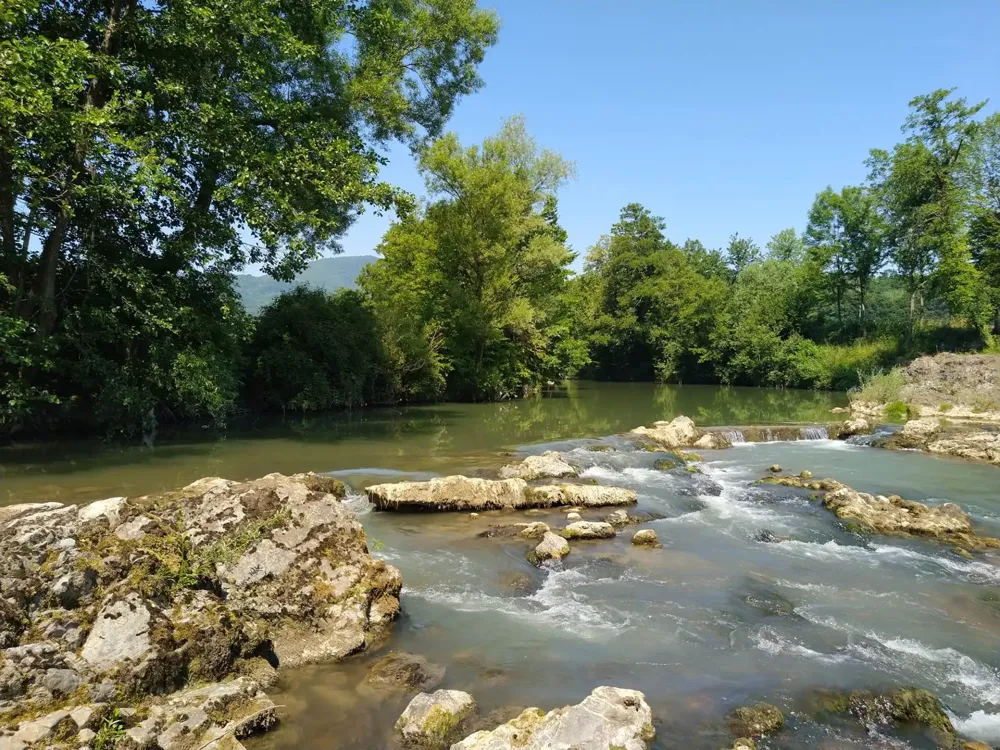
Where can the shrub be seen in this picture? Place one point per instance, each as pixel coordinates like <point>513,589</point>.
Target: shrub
<point>880,387</point>
<point>899,412</point>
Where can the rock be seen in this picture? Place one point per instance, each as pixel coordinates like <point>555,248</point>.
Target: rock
<point>465,493</point>
<point>400,670</point>
<point>574,516</point>
<point>552,547</point>
<point>139,596</point>
<point>805,474</point>
<point>646,538</point>
<point>435,720</point>
<point>976,746</point>
<point>549,464</point>
<point>853,427</point>
<point>900,707</point>
<point>473,515</point>
<point>534,530</point>
<point>589,530</point>
<point>608,718</point>
<point>744,743</point>
<point>753,721</point>
<point>775,468</point>
<point>516,582</point>
<point>712,441</point>
<point>678,433</point>
<point>88,717</point>
<point>55,725</point>
<point>616,518</point>
<point>86,737</point>
<point>977,442</point>
<point>840,410</point>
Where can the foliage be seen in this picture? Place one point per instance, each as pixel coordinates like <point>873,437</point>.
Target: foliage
<point>471,286</point>
<point>111,731</point>
<point>313,351</point>
<point>880,386</point>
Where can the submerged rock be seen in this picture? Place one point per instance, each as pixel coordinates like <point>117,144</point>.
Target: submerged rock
<point>549,464</point>
<point>900,707</point>
<point>756,720</point>
<point>878,514</point>
<point>465,493</point>
<point>646,538</point>
<point>607,718</point>
<point>588,530</point>
<point>401,670</point>
<point>214,580</point>
<point>435,720</point>
<point>552,547</point>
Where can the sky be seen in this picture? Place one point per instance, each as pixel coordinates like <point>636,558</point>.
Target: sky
<point>721,116</point>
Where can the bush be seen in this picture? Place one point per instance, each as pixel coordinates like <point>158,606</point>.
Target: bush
<point>841,367</point>
<point>880,387</point>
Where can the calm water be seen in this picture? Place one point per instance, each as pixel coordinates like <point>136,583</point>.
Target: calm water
<point>443,438</point>
<point>714,619</point>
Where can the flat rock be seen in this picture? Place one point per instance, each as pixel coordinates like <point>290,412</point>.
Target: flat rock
<point>588,530</point>
<point>549,464</point>
<point>435,720</point>
<point>607,718</point>
<point>120,633</point>
<point>401,670</point>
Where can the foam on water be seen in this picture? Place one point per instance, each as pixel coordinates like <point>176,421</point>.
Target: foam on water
<point>979,725</point>
<point>770,641</point>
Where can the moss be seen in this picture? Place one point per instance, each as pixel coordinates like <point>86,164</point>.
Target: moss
<point>900,412</point>
<point>755,720</point>
<point>858,528</point>
<point>900,707</point>
<point>688,457</point>
<point>439,724</point>
<point>665,464</point>
<point>946,407</point>
<point>694,469</point>
<point>602,448</point>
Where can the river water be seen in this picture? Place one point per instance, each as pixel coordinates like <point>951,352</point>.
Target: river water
<point>757,594</point>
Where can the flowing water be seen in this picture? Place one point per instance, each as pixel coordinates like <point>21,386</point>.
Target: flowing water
<point>758,593</point>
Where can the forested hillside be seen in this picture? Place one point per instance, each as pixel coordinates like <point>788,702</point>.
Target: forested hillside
<point>328,274</point>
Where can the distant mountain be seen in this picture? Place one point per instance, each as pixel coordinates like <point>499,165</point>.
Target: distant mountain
<point>340,272</point>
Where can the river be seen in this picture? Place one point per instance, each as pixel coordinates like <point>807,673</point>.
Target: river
<point>757,594</point>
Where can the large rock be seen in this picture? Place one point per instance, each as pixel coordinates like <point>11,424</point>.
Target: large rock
<point>435,720</point>
<point>217,579</point>
<point>607,718</point>
<point>552,547</point>
<point>680,432</point>
<point>978,442</point>
<point>465,493</point>
<point>878,514</point>
<point>756,720</point>
<point>549,464</point>
<point>589,530</point>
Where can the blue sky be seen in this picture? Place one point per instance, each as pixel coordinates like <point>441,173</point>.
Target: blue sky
<point>719,115</point>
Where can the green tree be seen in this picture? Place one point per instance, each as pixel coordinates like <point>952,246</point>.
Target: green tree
<point>983,183</point>
<point>483,267</point>
<point>786,245</point>
<point>742,252</point>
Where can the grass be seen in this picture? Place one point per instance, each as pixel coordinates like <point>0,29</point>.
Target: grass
<point>899,412</point>
<point>111,732</point>
<point>880,386</point>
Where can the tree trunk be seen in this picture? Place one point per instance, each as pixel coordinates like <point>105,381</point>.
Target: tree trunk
<point>8,198</point>
<point>862,312</point>
<point>909,318</point>
<point>45,283</point>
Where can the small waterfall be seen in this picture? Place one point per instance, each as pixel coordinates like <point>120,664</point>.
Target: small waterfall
<point>815,433</point>
<point>734,436</point>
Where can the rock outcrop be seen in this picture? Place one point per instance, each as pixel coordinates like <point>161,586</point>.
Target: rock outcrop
<point>849,428</point>
<point>465,493</point>
<point>435,720</point>
<point>142,597</point>
<point>607,718</point>
<point>681,432</point>
<point>975,441</point>
<point>549,464</point>
<point>892,515</point>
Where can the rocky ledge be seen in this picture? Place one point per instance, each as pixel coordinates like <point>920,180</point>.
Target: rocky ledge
<point>975,441</point>
<point>681,432</point>
<point>159,620</point>
<point>549,464</point>
<point>473,494</point>
<point>892,515</point>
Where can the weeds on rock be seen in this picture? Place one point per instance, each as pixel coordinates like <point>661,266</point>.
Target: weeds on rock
<point>111,732</point>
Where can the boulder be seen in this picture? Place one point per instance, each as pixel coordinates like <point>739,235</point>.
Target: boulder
<point>574,516</point>
<point>552,547</point>
<point>607,718</point>
<point>646,538</point>
<point>534,530</point>
<point>712,441</point>
<point>465,493</point>
<point>973,441</point>
<point>756,720</point>
<point>435,720</point>
<point>775,468</point>
<point>907,706</point>
<point>143,596</point>
<point>589,530</point>
<point>894,516</point>
<point>549,464</point>
<point>677,433</point>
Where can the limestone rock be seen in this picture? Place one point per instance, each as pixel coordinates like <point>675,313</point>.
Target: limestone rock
<point>435,720</point>
<point>607,718</point>
<point>589,530</point>
<point>678,433</point>
<point>534,530</point>
<point>775,468</point>
<point>549,464</point>
<point>712,441</point>
<point>465,493</point>
<point>974,441</point>
<point>646,538</point>
<point>552,547</point>
<point>573,516</point>
<point>120,633</point>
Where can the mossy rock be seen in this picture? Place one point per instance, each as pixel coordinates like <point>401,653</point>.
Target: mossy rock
<point>903,707</point>
<point>755,720</point>
<point>666,464</point>
<point>688,457</point>
<point>602,449</point>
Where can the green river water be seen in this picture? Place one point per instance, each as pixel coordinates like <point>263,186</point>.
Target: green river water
<point>757,594</point>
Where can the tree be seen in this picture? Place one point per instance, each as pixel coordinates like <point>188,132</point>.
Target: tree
<point>786,245</point>
<point>982,176</point>
<point>741,252</point>
<point>846,230</point>
<point>483,267</point>
<point>147,143</point>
